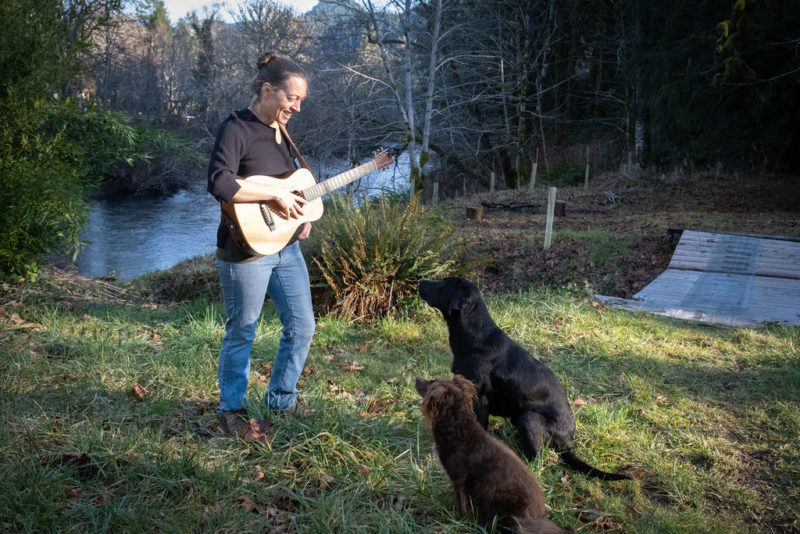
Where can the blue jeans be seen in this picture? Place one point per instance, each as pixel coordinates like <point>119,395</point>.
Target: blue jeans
<point>244,285</point>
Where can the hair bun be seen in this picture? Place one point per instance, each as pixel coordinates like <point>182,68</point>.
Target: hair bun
<point>266,58</point>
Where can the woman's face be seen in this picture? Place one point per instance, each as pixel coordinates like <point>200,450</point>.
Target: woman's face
<point>278,104</point>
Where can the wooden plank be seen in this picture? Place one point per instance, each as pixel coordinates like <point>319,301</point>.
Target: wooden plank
<point>723,297</point>
<point>737,254</point>
<point>676,231</point>
<point>734,279</point>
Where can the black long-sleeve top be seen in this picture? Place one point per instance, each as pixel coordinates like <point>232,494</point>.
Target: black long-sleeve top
<point>244,146</point>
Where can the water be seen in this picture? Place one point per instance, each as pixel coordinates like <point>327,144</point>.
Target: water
<point>128,238</point>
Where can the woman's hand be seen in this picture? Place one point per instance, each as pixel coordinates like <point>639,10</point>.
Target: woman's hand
<point>291,204</point>
<point>305,232</point>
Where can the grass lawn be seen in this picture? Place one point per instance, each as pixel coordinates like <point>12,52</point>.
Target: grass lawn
<point>706,417</point>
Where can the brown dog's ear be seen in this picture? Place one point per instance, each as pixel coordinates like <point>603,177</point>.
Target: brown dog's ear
<point>422,385</point>
<point>435,401</point>
<point>466,386</point>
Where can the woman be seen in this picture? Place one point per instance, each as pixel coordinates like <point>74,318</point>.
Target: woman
<point>250,142</point>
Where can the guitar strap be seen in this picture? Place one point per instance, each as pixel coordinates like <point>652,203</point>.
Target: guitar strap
<point>293,147</point>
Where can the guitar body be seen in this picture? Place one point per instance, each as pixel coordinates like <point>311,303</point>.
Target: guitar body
<point>260,228</point>
<point>252,232</point>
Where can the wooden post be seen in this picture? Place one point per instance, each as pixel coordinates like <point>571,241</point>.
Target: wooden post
<point>435,193</point>
<point>532,185</point>
<point>548,229</point>
<point>491,182</point>
<point>586,178</point>
<point>475,213</point>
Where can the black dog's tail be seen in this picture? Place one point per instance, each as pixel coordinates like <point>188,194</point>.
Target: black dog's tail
<point>579,465</point>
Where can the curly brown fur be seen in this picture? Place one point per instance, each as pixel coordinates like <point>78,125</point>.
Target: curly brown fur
<point>485,473</point>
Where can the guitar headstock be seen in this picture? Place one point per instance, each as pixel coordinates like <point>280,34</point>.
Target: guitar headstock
<point>382,159</point>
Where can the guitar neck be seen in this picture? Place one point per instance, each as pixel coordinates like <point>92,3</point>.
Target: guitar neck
<point>335,182</point>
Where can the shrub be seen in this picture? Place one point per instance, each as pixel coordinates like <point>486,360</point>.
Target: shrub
<point>371,256</point>
<point>568,173</point>
<point>52,154</point>
<point>194,278</point>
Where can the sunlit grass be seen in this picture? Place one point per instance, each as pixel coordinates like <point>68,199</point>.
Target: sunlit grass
<point>706,417</point>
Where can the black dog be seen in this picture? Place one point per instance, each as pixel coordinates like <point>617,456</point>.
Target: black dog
<point>510,381</point>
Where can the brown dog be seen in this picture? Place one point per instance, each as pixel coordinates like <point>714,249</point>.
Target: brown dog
<point>485,472</point>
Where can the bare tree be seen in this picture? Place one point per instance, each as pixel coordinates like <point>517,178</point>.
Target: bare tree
<point>267,25</point>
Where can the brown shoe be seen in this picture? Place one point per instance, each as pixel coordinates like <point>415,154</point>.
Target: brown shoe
<point>232,421</point>
<point>299,409</point>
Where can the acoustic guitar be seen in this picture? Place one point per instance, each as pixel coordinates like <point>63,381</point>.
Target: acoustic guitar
<point>262,228</point>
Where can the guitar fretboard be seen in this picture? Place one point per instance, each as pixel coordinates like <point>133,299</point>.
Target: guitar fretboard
<point>334,183</point>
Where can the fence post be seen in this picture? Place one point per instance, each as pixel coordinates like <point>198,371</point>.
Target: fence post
<point>435,193</point>
<point>491,182</point>
<point>586,177</point>
<point>548,229</point>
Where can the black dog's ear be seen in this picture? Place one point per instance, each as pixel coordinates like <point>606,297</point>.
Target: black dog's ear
<point>461,298</point>
<point>456,302</point>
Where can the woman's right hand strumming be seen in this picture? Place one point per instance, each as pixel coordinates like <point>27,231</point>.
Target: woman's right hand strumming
<point>291,205</point>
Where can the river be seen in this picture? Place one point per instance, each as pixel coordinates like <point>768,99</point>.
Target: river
<point>128,238</point>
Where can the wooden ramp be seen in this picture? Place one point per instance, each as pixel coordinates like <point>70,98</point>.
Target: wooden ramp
<point>733,279</point>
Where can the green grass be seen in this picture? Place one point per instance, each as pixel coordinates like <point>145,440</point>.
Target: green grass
<point>707,417</point>
<point>603,247</point>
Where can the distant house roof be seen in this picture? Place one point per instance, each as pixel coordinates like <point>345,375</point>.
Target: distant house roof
<point>726,278</point>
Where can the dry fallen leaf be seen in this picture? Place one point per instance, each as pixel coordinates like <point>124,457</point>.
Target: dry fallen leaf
<point>139,391</point>
<point>271,511</point>
<point>325,481</point>
<point>606,523</point>
<point>248,505</point>
<point>255,430</point>
<point>355,366</point>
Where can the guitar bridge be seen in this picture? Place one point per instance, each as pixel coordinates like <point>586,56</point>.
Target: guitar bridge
<point>267,215</point>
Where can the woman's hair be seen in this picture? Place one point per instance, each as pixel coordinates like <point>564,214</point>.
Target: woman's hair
<point>274,70</point>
